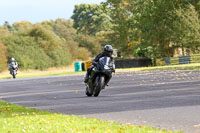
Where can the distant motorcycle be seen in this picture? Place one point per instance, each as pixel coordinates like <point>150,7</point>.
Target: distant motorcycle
<point>13,69</point>
<point>99,74</point>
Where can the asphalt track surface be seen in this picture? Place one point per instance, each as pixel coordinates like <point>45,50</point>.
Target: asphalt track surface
<point>163,99</point>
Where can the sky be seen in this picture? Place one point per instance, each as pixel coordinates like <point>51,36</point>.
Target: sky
<point>38,10</point>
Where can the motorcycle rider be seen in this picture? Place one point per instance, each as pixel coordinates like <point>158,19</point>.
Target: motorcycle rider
<point>107,51</point>
<point>13,64</point>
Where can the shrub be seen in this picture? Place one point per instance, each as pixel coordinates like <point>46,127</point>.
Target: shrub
<point>195,58</point>
<point>3,59</point>
<point>89,42</point>
<point>84,54</point>
<point>4,32</point>
<point>38,49</point>
<point>45,38</point>
<point>27,52</point>
<point>160,62</point>
<point>53,46</point>
<point>72,46</point>
<point>61,57</point>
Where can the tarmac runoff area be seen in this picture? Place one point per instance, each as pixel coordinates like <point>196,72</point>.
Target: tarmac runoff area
<point>163,99</point>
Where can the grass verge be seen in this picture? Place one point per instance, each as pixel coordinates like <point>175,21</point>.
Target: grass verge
<point>195,66</point>
<point>19,119</point>
<point>33,73</point>
<point>7,76</point>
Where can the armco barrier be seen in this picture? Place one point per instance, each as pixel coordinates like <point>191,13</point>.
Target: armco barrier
<point>130,63</point>
<point>183,59</point>
<point>167,60</point>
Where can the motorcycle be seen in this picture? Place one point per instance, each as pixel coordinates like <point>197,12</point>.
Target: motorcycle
<point>13,70</point>
<point>98,77</point>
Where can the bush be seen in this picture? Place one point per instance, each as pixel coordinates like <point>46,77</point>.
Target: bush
<point>53,46</point>
<point>84,54</point>
<point>4,32</point>
<point>64,29</point>
<point>27,52</point>
<point>89,42</point>
<point>38,49</point>
<point>72,46</point>
<point>45,38</point>
<point>3,59</point>
<point>174,60</point>
<point>160,62</point>
<point>61,57</point>
<point>195,58</point>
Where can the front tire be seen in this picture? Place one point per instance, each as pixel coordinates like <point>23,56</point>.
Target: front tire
<point>88,91</point>
<point>13,74</point>
<point>100,84</point>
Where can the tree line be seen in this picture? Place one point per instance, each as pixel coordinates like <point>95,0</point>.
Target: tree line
<point>46,44</point>
<point>156,28</point>
<point>137,28</point>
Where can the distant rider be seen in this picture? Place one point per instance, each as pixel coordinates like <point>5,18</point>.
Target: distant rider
<point>107,51</point>
<point>13,64</point>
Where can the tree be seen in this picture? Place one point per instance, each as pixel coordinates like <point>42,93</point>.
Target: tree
<point>4,32</point>
<point>89,42</point>
<point>61,27</point>
<point>187,27</point>
<point>22,26</point>
<point>65,30</point>
<point>8,26</point>
<point>38,48</point>
<point>155,24</point>
<point>124,29</point>
<point>91,18</point>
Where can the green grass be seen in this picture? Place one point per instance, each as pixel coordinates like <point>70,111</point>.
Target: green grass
<point>19,119</point>
<point>39,74</point>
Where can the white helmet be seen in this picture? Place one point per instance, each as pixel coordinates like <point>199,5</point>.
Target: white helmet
<point>12,59</point>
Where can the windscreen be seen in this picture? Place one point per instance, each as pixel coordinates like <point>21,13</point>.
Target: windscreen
<point>105,61</point>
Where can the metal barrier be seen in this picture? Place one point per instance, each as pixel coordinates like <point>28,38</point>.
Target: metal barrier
<point>182,59</point>
<point>130,63</point>
<point>167,61</point>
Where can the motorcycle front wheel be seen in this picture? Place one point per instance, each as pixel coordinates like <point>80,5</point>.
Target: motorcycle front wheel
<point>13,74</point>
<point>100,81</point>
<point>88,91</point>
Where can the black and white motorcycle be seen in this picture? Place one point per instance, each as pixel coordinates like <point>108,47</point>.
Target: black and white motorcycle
<point>99,75</point>
<point>13,67</point>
